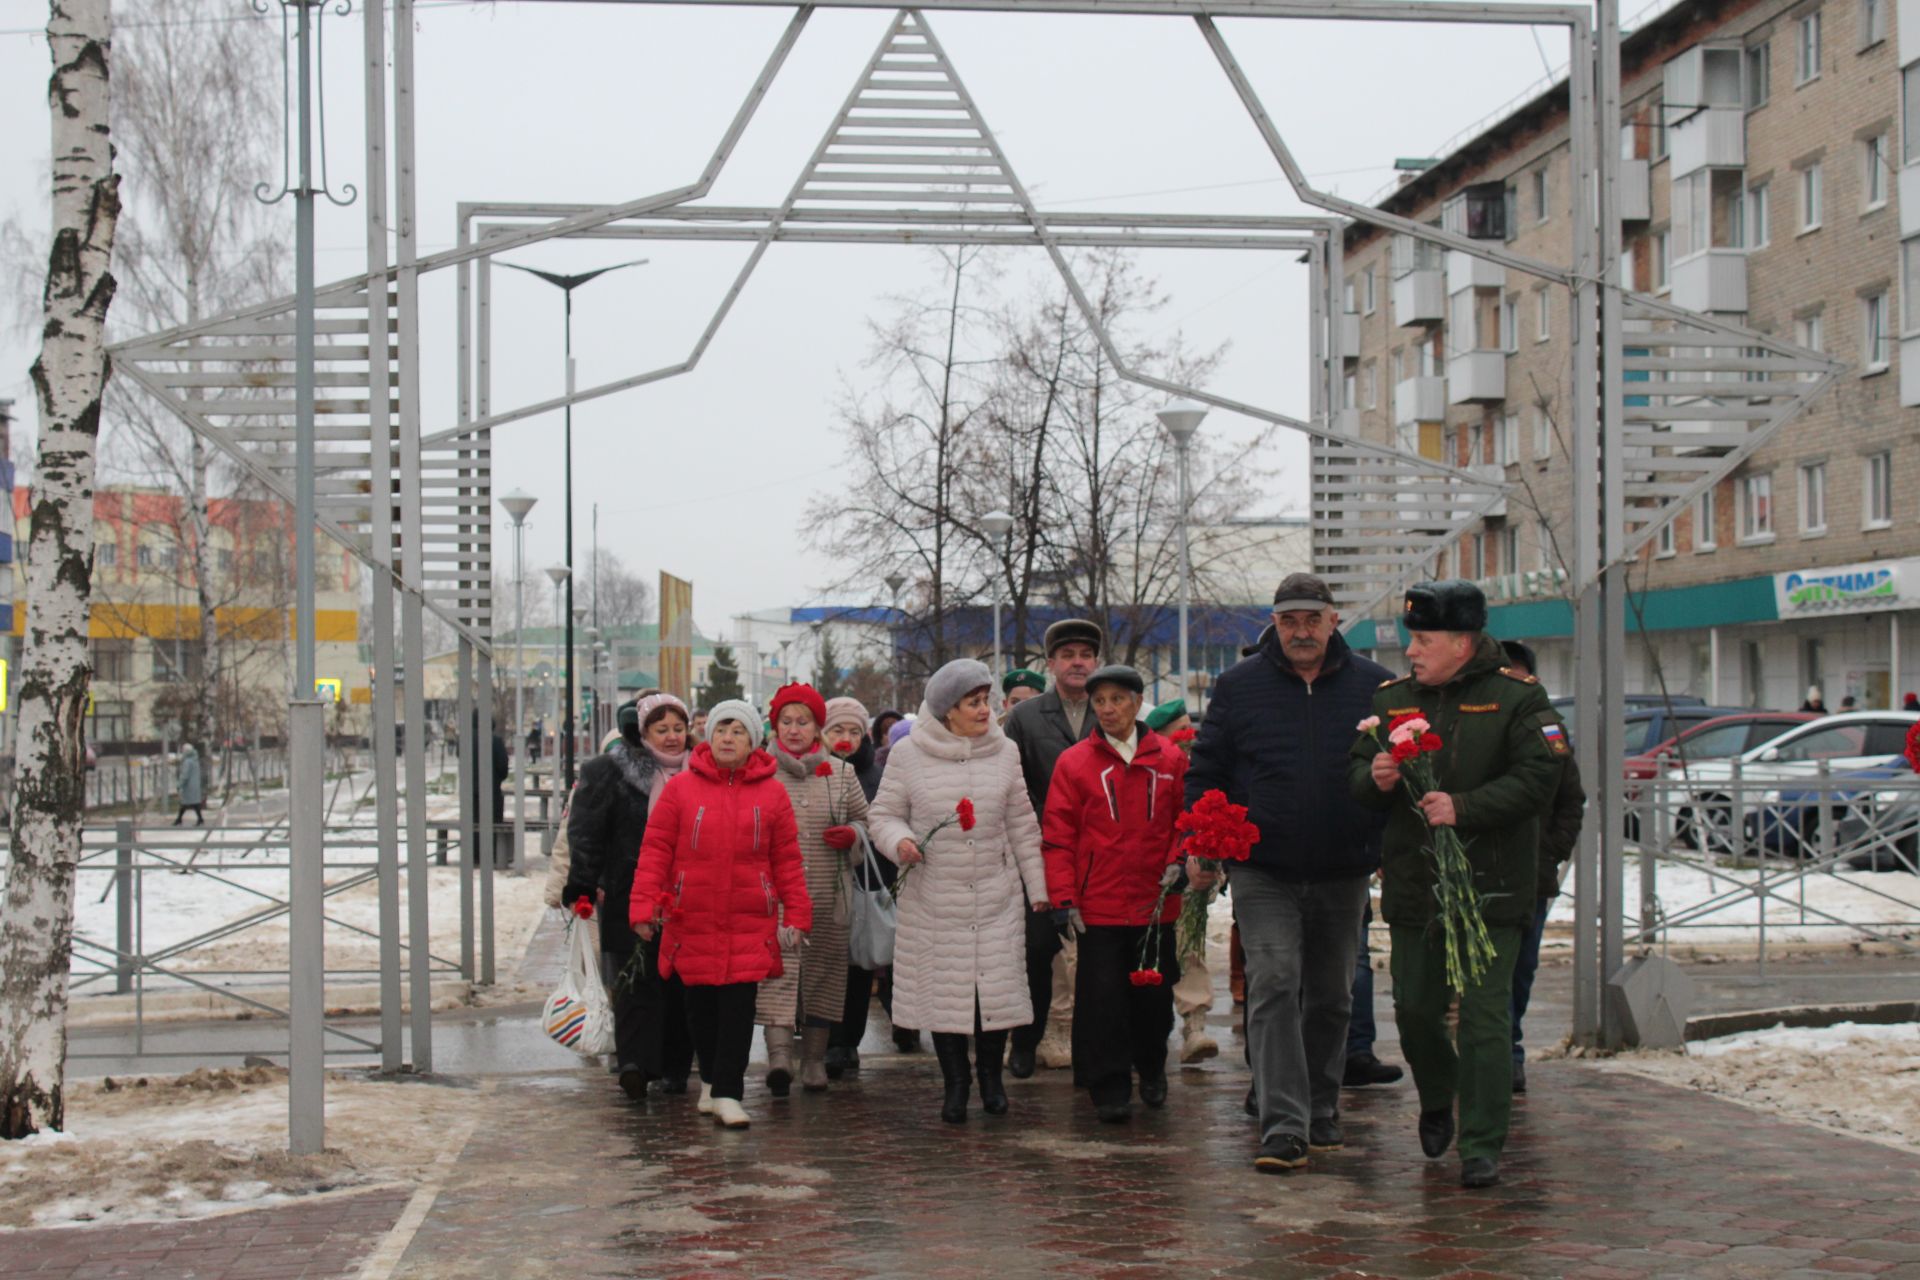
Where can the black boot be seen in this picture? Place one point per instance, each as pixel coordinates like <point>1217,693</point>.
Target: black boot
<point>952,1052</point>
<point>990,1048</point>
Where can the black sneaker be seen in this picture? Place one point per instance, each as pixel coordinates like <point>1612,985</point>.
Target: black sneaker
<point>1363,1069</point>
<point>1277,1155</point>
<point>1019,1062</point>
<point>1479,1171</point>
<point>1436,1132</point>
<point>1114,1112</point>
<point>1519,1077</point>
<point>1252,1105</point>
<point>1323,1134</point>
<point>1153,1091</point>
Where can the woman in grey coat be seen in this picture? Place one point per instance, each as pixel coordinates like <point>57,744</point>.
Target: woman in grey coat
<point>192,790</point>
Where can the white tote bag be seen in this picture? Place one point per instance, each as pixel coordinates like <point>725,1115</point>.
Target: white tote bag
<point>870,917</point>
<point>579,1015</point>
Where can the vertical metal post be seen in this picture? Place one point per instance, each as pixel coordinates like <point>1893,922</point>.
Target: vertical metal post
<point>306,951</point>
<point>1590,603</point>
<point>1334,270</point>
<point>123,905</point>
<point>470,747</point>
<point>1893,660</point>
<point>1604,133</point>
<point>412,561</point>
<point>1186,562</point>
<point>380,435</point>
<point>998,669</point>
<point>518,741</point>
<point>573,730</point>
<point>1319,406</point>
<point>483,764</point>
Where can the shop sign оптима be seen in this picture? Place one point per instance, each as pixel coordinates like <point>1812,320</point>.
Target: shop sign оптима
<point>1847,588</point>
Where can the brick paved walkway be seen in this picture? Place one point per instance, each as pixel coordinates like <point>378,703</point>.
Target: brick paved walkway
<point>326,1237</point>
<point>1606,1177</point>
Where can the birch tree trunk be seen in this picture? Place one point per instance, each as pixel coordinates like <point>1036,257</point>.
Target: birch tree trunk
<point>36,919</point>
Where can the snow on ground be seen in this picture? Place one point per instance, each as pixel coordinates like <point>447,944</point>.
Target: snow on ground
<point>1888,900</point>
<point>172,907</point>
<point>162,1148</point>
<point>1859,1078</point>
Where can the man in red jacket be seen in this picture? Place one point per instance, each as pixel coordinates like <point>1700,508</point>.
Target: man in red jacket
<point>1110,848</point>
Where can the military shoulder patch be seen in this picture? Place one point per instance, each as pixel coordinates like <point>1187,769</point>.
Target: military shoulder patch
<point>1554,734</point>
<point>1388,684</point>
<point>1510,674</point>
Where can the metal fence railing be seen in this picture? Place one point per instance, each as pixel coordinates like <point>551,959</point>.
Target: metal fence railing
<point>1804,848</point>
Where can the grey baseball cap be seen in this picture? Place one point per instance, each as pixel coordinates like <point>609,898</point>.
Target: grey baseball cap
<point>1302,591</point>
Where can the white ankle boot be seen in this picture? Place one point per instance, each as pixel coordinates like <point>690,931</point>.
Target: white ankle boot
<point>729,1113</point>
<point>706,1099</point>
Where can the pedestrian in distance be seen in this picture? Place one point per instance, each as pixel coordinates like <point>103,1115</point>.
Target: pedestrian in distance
<point>847,737</point>
<point>1042,729</point>
<point>606,822</point>
<point>191,784</point>
<point>830,813</point>
<point>1559,832</point>
<point>1112,859</point>
<point>1016,687</point>
<point>721,883</point>
<point>1275,739</point>
<point>1193,993</point>
<point>959,962</point>
<point>697,731</point>
<point>1502,754</point>
<point>895,730</point>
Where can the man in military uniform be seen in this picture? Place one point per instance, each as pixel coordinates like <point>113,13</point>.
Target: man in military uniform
<point>1503,748</point>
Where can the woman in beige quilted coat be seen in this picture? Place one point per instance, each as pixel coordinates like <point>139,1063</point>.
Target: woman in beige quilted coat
<point>960,957</point>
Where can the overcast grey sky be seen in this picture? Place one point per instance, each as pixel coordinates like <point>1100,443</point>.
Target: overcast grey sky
<point>706,475</point>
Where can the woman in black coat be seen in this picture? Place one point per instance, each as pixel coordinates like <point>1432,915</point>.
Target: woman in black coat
<point>606,822</point>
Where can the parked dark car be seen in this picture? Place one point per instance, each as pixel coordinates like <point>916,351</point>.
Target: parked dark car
<point>1720,738</point>
<point>1652,719</point>
<point>1884,819</point>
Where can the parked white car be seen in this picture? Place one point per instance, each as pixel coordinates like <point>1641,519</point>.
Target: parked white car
<point>1849,740</point>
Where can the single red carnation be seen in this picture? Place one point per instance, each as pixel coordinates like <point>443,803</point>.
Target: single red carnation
<point>1184,735</point>
<point>965,810</point>
<point>1428,742</point>
<point>843,748</point>
<point>583,907</point>
<point>1404,751</point>
<point>823,770</point>
<point>1144,977</point>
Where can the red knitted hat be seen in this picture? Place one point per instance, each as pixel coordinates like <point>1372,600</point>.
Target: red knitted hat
<point>803,694</point>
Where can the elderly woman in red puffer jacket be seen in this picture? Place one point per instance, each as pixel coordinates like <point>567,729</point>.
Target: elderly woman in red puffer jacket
<point>719,870</point>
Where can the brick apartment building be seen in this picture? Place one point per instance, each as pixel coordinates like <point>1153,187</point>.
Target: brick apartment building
<point>1771,176</point>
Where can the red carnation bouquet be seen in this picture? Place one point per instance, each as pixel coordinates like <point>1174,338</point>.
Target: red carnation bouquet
<point>1215,831</point>
<point>962,814</point>
<point>1410,740</point>
<point>1913,747</point>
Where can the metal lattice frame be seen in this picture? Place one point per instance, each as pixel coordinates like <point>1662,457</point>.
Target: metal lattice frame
<point>909,158</point>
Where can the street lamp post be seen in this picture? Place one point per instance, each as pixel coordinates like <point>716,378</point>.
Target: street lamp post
<point>518,503</point>
<point>895,581</point>
<point>567,284</point>
<point>998,524</point>
<point>1181,419</point>
<point>560,574</point>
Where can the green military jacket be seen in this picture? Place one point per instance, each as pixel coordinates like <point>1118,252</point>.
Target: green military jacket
<point>1503,751</point>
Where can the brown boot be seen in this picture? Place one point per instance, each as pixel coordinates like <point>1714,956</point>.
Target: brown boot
<point>813,1059</point>
<point>779,1060</point>
<point>1195,1044</point>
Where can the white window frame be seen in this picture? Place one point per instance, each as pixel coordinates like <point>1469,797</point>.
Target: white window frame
<point>1506,439</point>
<point>1370,384</point>
<point>1510,323</point>
<point>1759,216</point>
<point>1542,314</point>
<point>1542,197</point>
<point>1872,23</point>
<point>1510,549</point>
<point>1874,172</point>
<point>1706,522</point>
<point>1813,197</point>
<point>1542,435</point>
<point>1806,51</point>
<point>1664,545</point>
<point>1662,261</point>
<point>1813,499</point>
<point>1910,286</point>
<point>1910,114</point>
<point>1876,491</point>
<point>1369,298</point>
<point>1755,495</point>
<point>1758,67</point>
<point>1542,546</point>
<point>1876,333</point>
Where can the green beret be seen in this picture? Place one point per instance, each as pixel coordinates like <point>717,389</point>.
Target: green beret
<point>1166,713</point>
<point>1020,677</point>
<point>1451,605</point>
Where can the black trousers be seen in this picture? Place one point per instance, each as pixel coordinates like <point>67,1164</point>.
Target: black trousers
<point>649,1016</point>
<point>852,1027</point>
<point>1043,944</point>
<point>1120,1029</point>
<point>721,1020</point>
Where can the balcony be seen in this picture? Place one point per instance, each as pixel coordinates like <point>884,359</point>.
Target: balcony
<point>1350,335</point>
<point>1477,377</point>
<point>1492,473</point>
<point>1419,297</point>
<point>1419,399</point>
<point>1345,422</point>
<point>1910,200</point>
<point>1714,280</point>
<point>1710,138</point>
<point>1910,371</point>
<point>1635,190</point>
<point>1464,271</point>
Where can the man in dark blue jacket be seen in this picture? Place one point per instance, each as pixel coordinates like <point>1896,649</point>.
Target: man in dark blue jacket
<point>1275,739</point>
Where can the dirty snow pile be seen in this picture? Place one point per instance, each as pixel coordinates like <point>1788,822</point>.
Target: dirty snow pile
<point>156,1148</point>
<point>1856,1077</point>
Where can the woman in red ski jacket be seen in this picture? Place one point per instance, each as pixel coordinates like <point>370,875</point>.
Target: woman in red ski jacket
<point>1110,845</point>
<point>720,874</point>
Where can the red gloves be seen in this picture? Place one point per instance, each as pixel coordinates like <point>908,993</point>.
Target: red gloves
<point>841,837</point>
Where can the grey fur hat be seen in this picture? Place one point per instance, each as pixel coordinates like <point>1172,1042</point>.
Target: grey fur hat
<point>955,681</point>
